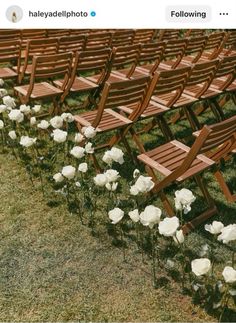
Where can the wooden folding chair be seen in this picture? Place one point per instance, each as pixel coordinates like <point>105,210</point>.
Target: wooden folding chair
<point>124,62</point>
<point>90,71</point>
<point>10,54</point>
<point>166,90</point>
<point>98,40</point>
<point>173,54</point>
<point>177,162</point>
<point>122,37</point>
<point>214,46</point>
<point>74,43</point>
<point>194,50</point>
<point>143,36</point>
<point>36,47</point>
<point>114,95</point>
<point>48,68</point>
<point>149,58</point>
<point>10,34</point>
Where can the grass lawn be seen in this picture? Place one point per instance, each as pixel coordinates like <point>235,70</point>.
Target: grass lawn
<point>53,269</point>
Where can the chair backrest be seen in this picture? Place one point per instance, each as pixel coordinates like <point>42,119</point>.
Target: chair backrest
<point>201,77</point>
<point>126,56</point>
<point>122,38</point>
<point>195,47</point>
<point>10,34</point>
<point>214,45</point>
<point>74,32</point>
<point>10,52</point>
<point>88,63</point>
<point>151,53</point>
<point>194,33</point>
<point>98,39</point>
<point>72,43</point>
<point>29,34</point>
<point>227,67</point>
<point>37,47</point>
<point>170,85</point>
<point>58,32</point>
<point>122,93</point>
<point>175,50</point>
<point>143,36</point>
<point>51,67</point>
<point>168,34</point>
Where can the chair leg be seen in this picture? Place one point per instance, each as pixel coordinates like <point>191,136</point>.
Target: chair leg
<point>166,203</point>
<point>211,210</point>
<point>98,168</point>
<point>152,124</point>
<point>165,129</point>
<point>225,188</point>
<point>178,116</point>
<point>194,123</point>
<point>129,150</point>
<point>218,109</point>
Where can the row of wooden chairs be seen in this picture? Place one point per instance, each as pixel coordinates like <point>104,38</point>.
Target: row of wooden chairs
<point>150,56</point>
<point>175,161</point>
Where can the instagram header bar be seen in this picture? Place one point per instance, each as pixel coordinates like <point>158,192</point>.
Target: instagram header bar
<point>117,14</point>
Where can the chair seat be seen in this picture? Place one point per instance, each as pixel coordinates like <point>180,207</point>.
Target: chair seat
<point>6,72</point>
<point>110,120</point>
<point>152,109</point>
<point>80,84</point>
<point>168,157</point>
<point>40,90</point>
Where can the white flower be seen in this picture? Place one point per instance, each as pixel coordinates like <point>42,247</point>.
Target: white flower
<point>100,180</point>
<point>142,185</point>
<point>1,124</point>
<point>215,227</point>
<point>56,122</point>
<point>204,250</point>
<point>3,93</point>
<point>183,200</point>
<point>150,216</point>
<point>36,108</point>
<point>77,152</point>
<point>1,82</point>
<point>200,266</point>
<point>111,186</point>
<point>229,275</point>
<point>67,117</point>
<point>12,134</point>
<point>136,173</point>
<point>25,109</point>
<point>115,154</point>
<point>68,172</point>
<point>179,236</point>
<point>89,132</point>
<point>3,108</point>
<point>88,148</point>
<point>228,233</point>
<point>9,101</point>
<point>83,167</point>
<point>26,141</point>
<point>115,215</point>
<point>169,226</point>
<point>33,121</point>
<point>58,178</point>
<point>78,138</point>
<point>134,215</point>
<point>43,124</point>
<point>112,175</point>
<point>134,190</point>
<point>59,135</point>
<point>16,115</point>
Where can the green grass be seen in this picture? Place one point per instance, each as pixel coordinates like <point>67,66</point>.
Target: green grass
<point>53,269</point>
